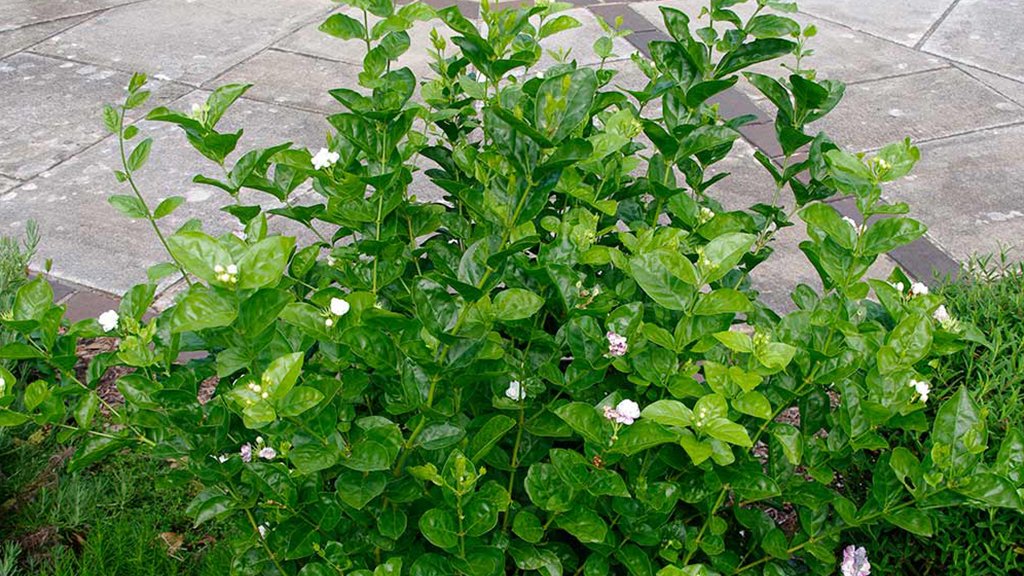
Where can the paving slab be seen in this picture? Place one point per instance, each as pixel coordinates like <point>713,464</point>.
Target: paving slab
<point>748,183</point>
<point>51,109</point>
<point>984,34</point>
<point>903,21</point>
<point>969,190</point>
<point>21,38</point>
<point>92,244</point>
<point>1008,88</point>
<point>19,13</point>
<point>192,41</point>
<point>7,183</point>
<point>923,106</point>
<point>292,79</point>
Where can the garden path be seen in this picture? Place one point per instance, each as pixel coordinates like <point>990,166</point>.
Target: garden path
<point>947,73</point>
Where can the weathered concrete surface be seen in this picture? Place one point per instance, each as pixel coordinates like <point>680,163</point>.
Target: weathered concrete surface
<point>7,183</point>
<point>293,79</point>
<point>21,38</point>
<point>902,21</point>
<point>969,190</point>
<point>985,34</point>
<point>19,13</point>
<point>94,245</point>
<point>1008,88</point>
<point>191,41</point>
<point>51,109</point>
<point>925,106</point>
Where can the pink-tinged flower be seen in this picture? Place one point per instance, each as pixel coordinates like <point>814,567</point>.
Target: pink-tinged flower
<point>855,561</point>
<point>628,412</point>
<point>246,452</point>
<point>616,344</point>
<point>610,413</point>
<point>268,453</point>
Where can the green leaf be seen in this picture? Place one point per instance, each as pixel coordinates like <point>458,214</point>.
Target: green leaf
<point>735,341</point>
<point>669,413</point>
<point>33,300</point>
<point>86,409</point>
<point>357,489</point>
<point>440,528</point>
<point>299,400</point>
<point>727,431</point>
<point>129,206</point>
<point>889,233</point>
<point>584,524</point>
<point>281,375</point>
<point>585,420</point>
<point>438,436</point>
<point>167,206</point>
<point>344,27</point>
<point>137,159</point>
<point>93,449</point>
<point>959,428</point>
<point>221,99</point>
<point>667,277</point>
<point>772,26</point>
<point>199,254</point>
<point>723,253</point>
<point>722,301</point>
<point>753,403</point>
<point>831,222</point>
<point>642,435</point>
<point>527,526</point>
<point>991,490</point>
<point>201,309</point>
<point>559,23</point>
<point>35,393</point>
<point>11,418</point>
<point>563,102</point>
<point>752,53</point>
<point>791,440</point>
<point>264,263</point>
<point>488,435</point>
<point>546,489</point>
<point>911,520</point>
<point>516,304</point>
<point>209,505</point>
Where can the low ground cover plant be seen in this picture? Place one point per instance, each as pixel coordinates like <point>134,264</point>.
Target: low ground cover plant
<point>558,366</point>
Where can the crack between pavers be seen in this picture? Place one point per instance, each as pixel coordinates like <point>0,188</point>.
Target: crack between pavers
<point>55,33</point>
<point>935,25</point>
<point>966,69</point>
<point>157,77</point>
<point>945,66</point>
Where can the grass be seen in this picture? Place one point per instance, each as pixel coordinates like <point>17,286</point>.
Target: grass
<point>114,519</point>
<point>989,294</point>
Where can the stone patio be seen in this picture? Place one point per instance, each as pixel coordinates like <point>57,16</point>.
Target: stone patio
<point>947,73</point>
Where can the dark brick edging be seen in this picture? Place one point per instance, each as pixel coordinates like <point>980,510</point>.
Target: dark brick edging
<point>922,259</point>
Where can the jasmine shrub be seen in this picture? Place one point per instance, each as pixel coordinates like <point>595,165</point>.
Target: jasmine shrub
<point>560,366</point>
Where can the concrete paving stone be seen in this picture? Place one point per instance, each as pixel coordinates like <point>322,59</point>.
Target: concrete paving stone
<point>748,183</point>
<point>292,79</point>
<point>187,40</point>
<point>7,183</point>
<point>51,109</point>
<point>1009,88</point>
<point>19,13</point>
<point>984,34</point>
<point>22,38</point>
<point>923,106</point>
<point>89,304</point>
<point>788,267</point>
<point>968,191</point>
<point>903,21</point>
<point>94,245</point>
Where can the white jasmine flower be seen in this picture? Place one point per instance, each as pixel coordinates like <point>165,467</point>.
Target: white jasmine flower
<point>268,453</point>
<point>265,395</point>
<point>705,215</point>
<point>263,528</point>
<point>218,269</point>
<point>197,109</point>
<point>108,320</point>
<point>339,307</point>
<point>222,458</point>
<point>515,391</point>
<point>941,315</point>
<point>922,389</point>
<point>628,412</point>
<point>329,322</point>
<point>330,261</point>
<point>259,440</point>
<point>246,452</point>
<point>855,561</point>
<point>232,269</point>
<point>899,286</point>
<point>3,386</point>
<point>616,344</point>
<point>325,158</point>
<point>850,221</point>
<point>226,274</point>
<point>918,289</point>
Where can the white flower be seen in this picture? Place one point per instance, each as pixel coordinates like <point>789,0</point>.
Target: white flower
<point>222,458</point>
<point>941,315</point>
<point>226,274</point>
<point>329,322</point>
<point>628,412</point>
<point>3,386</point>
<point>918,289</point>
<point>246,452</point>
<point>330,261</point>
<point>259,440</point>
<point>849,221</point>
<point>898,286</point>
<point>339,307</point>
<point>515,391</point>
<point>218,269</point>
<point>922,389</point>
<point>108,320</point>
<point>616,344</point>
<point>325,158</point>
<point>705,215</point>
<point>263,530</point>
<point>232,269</point>
<point>265,395</point>
<point>855,562</point>
<point>268,453</point>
